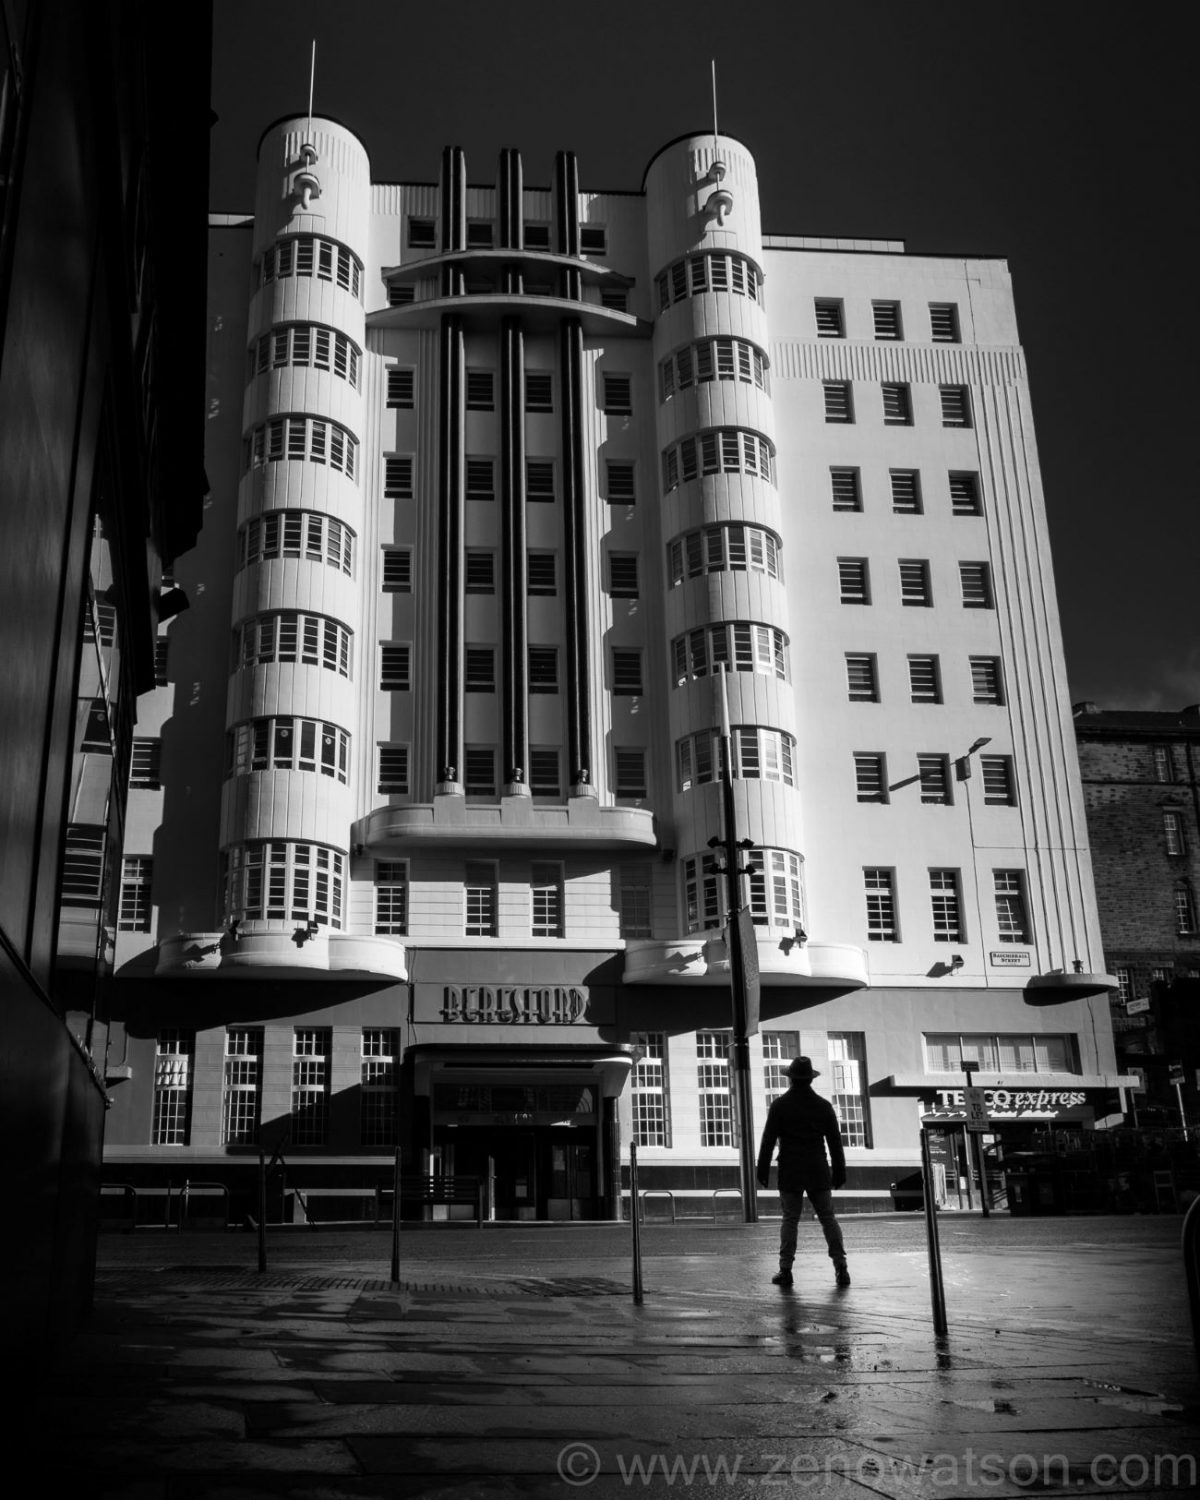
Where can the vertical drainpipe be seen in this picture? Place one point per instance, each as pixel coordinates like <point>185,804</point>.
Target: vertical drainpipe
<point>450,480</point>
<point>514,709</point>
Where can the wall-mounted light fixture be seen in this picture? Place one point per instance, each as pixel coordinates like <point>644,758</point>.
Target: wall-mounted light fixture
<point>956,962</point>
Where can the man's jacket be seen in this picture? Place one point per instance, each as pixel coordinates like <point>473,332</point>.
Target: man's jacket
<point>804,1124</point>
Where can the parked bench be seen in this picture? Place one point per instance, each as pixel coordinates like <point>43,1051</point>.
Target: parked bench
<point>433,1189</point>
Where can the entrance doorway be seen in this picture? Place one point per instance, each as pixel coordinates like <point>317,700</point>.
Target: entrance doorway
<point>547,1172</point>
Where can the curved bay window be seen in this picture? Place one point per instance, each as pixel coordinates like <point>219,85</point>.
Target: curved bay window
<point>275,880</point>
<point>724,548</point>
<point>742,646</point>
<point>288,744</point>
<point>776,891</point>
<point>758,754</point>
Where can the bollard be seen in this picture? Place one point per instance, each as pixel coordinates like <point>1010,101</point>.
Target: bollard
<point>635,1220</point>
<point>396,1217</point>
<point>262,1207</point>
<point>937,1289</point>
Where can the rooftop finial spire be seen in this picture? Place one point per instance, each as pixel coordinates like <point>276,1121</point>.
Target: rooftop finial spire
<point>307,183</point>
<point>312,79</point>
<point>720,202</point>
<point>714,88</point>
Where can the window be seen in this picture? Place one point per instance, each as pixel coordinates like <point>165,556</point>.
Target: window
<point>83,865</point>
<point>539,480</point>
<point>614,298</point>
<point>956,406</point>
<point>634,901</point>
<point>861,680</point>
<point>593,239</point>
<point>398,477</point>
<point>481,771</point>
<point>537,236</point>
<point>897,405</point>
<point>712,1079</point>
<point>545,776</point>
<point>1011,915</point>
<point>379,1081</point>
<point>945,1052</point>
<point>924,679</point>
<point>725,548</point>
<point>623,575</point>
<point>546,892</point>
<point>243,1079</point>
<point>394,673</point>
<point>906,492</point>
<point>539,390</point>
<point>310,1086</point>
<point>1173,832</point>
<point>914,582</point>
<point>284,743</point>
<point>543,669</point>
<point>831,322</point>
<point>393,769</point>
<point>397,570</point>
<point>712,359</point>
<point>881,906</point>
<point>480,572</point>
<point>299,438</point>
<point>161,657</point>
<point>480,669</point>
<point>422,234</point>
<point>480,234</point>
<point>848,1086</point>
<point>400,296</point>
<point>985,680</point>
<point>703,899</point>
<point>870,777</point>
<point>401,387</point>
<point>847,489</point>
<point>630,767</point>
<point>618,398</point>
<point>943,323</point>
<point>174,1056</point>
<point>716,272</point>
<point>758,753</point>
<point>290,637</point>
<point>886,317</point>
<point>296,533</point>
<point>740,646</point>
<point>1124,985</point>
<point>137,871</point>
<point>998,786</point>
<point>480,390</point>
<point>307,344</point>
<point>146,766</point>
<point>1164,766</point>
<point>976,580</point>
<point>943,896</point>
<point>964,495</point>
<point>853,581</point>
<point>778,1048</point>
<point>1185,911</point>
<point>481,902</point>
<point>541,573</point>
<point>648,1091</point>
<point>934,773</point>
<point>619,482</point>
<point>775,888</point>
<point>280,880</point>
<point>626,672</point>
<point>727,450</point>
<point>391,897</point>
<point>481,479</point>
<point>839,405</point>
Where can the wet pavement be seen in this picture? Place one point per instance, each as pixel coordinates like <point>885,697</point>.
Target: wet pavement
<point>514,1361</point>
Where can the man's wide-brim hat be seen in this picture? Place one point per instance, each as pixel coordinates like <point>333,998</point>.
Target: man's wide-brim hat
<point>802,1068</point>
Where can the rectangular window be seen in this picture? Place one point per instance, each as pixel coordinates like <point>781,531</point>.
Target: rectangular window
<point>83,865</point>
<point>881,906</point>
<point>924,679</point>
<point>634,901</point>
<point>400,296</point>
<point>137,871</point>
<point>1124,985</point>
<point>543,669</point>
<point>998,785</point>
<point>1011,915</point>
<point>393,769</point>
<point>778,1049</point>
<point>897,405</point>
<point>546,894</point>
<point>839,406</point>
<point>242,1082</point>
<point>545,775</point>
<point>397,570</point>
<point>626,673</point>
<point>1185,911</point>
<point>861,679</point>
<point>391,897</point>
<point>619,482</point>
<point>379,1082</point>
<point>480,571</point>
<point>537,236</point>
<point>906,492</point>
<point>956,406</point>
<point>1164,766</point>
<point>831,322</point>
<point>539,390</point>
<point>481,479</point>
<point>847,489</point>
<point>541,576</point>
<point>934,773</point>
<point>480,669</point>
<point>310,1086</point>
<point>914,582</point>
<point>853,581</point>
<point>964,495</point>
<point>870,777</point>
<point>539,481</point>
<point>422,234</point>
<point>394,673</point>
<point>848,1086</point>
<point>623,575</point>
<point>480,234</point>
<point>161,657</point>
<point>886,318</point>
<point>174,1059</point>
<point>630,767</point>
<point>618,396</point>
<point>398,477</point>
<point>712,1079</point>
<point>943,323</point>
<point>480,390</point>
<point>481,898</point>
<point>481,771</point>
<point>649,1094</point>
<point>986,684</point>
<point>401,388</point>
<point>593,239</point>
<point>614,298</point>
<point>145,768</point>
<point>976,580</point>
<point>944,899</point>
<point>1174,833</point>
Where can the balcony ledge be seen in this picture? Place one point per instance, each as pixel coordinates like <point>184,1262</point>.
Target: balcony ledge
<point>700,960</point>
<point>1060,988</point>
<point>278,954</point>
<point>537,314</point>
<point>451,821</point>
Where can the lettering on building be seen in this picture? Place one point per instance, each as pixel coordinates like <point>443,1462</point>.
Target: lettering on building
<point>512,1005</point>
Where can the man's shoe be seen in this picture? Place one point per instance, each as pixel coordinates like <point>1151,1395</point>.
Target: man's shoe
<point>841,1273</point>
<point>782,1278</point>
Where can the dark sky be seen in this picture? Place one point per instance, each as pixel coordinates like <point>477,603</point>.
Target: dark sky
<point>1057,134</point>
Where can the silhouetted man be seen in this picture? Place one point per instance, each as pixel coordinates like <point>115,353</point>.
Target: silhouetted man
<point>804,1124</point>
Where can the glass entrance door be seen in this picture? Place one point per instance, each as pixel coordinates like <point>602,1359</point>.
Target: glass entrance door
<point>570,1176</point>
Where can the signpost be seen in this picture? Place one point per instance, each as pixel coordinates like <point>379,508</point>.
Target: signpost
<point>977,1122</point>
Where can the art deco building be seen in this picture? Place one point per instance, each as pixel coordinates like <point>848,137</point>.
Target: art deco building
<point>502,477</point>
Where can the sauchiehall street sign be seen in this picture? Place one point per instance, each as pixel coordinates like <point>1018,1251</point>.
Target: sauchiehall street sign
<point>514,1005</point>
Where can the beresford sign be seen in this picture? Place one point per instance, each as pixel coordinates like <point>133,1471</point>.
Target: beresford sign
<point>514,1005</point>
